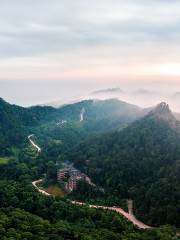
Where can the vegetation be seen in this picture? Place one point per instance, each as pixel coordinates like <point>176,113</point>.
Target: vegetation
<point>16,224</point>
<point>4,160</point>
<point>25,214</point>
<point>16,123</point>
<point>140,162</point>
<point>54,190</point>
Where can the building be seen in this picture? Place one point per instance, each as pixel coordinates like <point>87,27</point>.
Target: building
<point>62,173</point>
<point>69,177</point>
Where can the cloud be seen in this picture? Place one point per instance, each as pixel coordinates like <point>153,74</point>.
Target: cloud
<point>81,37</point>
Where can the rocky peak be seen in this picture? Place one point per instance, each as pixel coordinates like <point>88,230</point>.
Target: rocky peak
<point>163,112</point>
<point>162,108</point>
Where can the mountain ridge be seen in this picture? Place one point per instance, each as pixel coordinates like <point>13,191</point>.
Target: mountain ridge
<point>17,122</point>
<point>132,162</point>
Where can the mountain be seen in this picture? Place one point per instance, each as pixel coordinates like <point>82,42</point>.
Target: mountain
<point>163,112</point>
<point>127,163</point>
<point>140,162</point>
<point>100,109</point>
<point>93,110</point>
<point>67,125</point>
<point>108,90</point>
<point>83,120</point>
<point>11,126</point>
<point>17,122</point>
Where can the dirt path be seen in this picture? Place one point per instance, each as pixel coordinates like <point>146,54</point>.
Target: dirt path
<point>120,211</point>
<point>128,216</point>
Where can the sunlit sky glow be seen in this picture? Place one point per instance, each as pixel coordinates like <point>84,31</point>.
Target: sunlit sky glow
<point>104,41</point>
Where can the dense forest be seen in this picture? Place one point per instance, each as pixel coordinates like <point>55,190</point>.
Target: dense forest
<point>119,160</point>
<point>141,162</point>
<point>46,122</point>
<point>27,214</point>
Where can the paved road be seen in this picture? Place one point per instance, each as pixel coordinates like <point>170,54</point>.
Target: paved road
<point>33,143</point>
<point>120,211</point>
<point>39,190</point>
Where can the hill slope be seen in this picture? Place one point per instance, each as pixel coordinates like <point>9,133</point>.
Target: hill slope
<point>140,162</point>
<point>15,122</point>
<point>84,117</point>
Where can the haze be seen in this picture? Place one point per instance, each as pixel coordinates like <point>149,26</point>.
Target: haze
<point>63,50</point>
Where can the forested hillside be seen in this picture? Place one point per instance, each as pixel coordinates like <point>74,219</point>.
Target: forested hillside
<point>15,123</point>
<point>99,116</point>
<point>27,214</point>
<point>134,162</point>
<point>142,162</point>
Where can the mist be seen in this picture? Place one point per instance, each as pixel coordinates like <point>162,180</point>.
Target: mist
<point>56,93</point>
<point>144,94</point>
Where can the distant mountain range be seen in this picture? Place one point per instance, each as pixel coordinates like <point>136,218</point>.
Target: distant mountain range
<point>108,90</point>
<point>141,97</point>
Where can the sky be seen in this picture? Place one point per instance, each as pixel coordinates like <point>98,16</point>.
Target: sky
<point>52,50</point>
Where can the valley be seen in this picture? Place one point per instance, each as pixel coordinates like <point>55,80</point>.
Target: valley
<point>126,152</point>
<point>89,120</point>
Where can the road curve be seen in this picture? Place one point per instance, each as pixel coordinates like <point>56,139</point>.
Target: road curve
<point>118,210</point>
<point>39,190</point>
<point>33,144</point>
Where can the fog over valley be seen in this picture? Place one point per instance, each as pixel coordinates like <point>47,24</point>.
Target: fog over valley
<point>57,93</point>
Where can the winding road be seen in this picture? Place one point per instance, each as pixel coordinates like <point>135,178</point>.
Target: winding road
<point>129,216</point>
<point>120,211</point>
<point>33,143</point>
<point>39,190</point>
